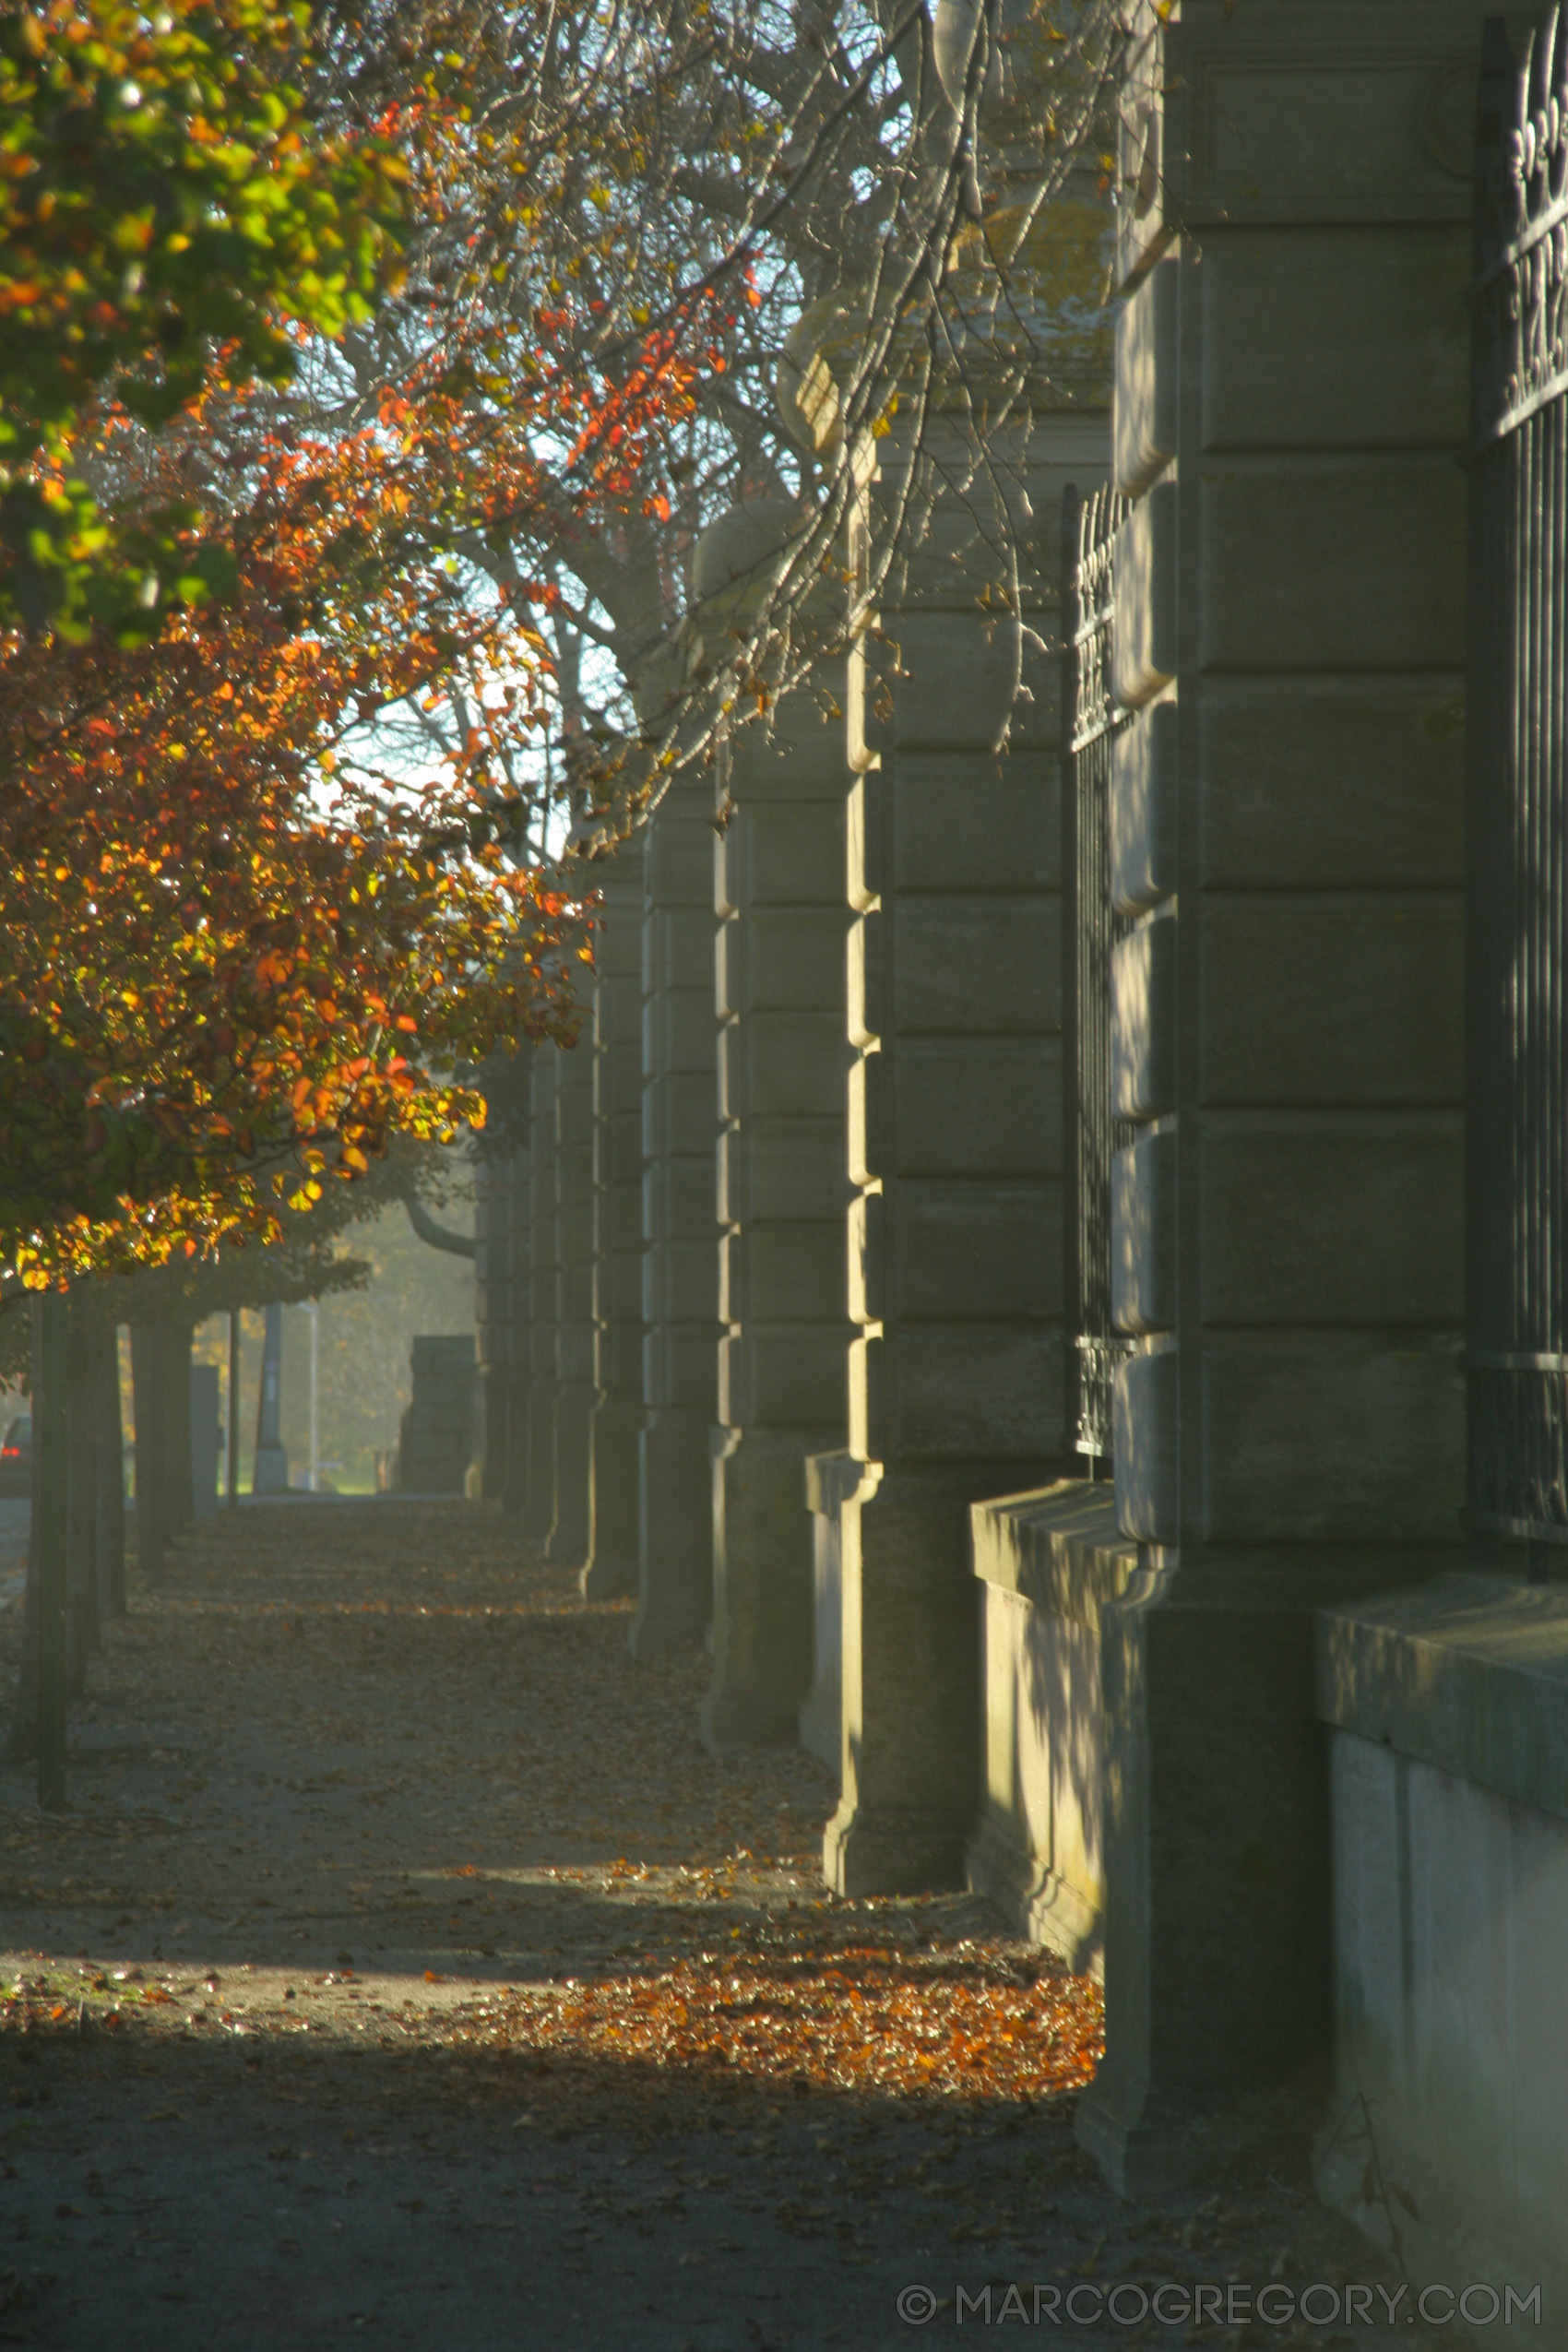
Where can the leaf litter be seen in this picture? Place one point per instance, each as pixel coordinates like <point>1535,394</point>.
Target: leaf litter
<point>381,1661</point>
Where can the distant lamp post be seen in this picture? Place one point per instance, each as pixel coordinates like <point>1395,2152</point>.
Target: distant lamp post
<point>271,1474</point>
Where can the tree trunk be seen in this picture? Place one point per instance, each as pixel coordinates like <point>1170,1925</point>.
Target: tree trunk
<point>110,1488</point>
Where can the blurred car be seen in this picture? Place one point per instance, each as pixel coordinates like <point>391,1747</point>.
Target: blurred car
<point>15,1459</point>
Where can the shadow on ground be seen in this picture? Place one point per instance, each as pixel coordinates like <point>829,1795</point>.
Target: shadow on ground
<point>406,1973</point>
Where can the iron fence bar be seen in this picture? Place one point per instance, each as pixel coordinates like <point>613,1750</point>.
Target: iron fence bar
<point>1091,718</point>
<point>1516,1023</point>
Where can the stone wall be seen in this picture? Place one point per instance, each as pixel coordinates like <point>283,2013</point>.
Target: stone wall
<point>1448,1715</point>
<point>1050,1565</point>
<point>435,1439</point>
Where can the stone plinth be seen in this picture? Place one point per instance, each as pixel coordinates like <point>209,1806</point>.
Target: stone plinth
<point>1286,833</point>
<point>539,1504</point>
<point>680,1227</point>
<point>779,875</point>
<point>1048,1566</point>
<point>618,1227</point>
<point>435,1441</point>
<point>575,1392</point>
<point>957,1384</point>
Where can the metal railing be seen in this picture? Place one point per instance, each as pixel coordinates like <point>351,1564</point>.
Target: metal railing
<point>1091,721</point>
<point>1517,857</point>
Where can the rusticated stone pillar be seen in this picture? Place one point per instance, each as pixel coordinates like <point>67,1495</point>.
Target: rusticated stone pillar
<point>513,1487</point>
<point>618,1224</point>
<point>1288,835</point>
<point>783,1191</point>
<point>494,1317</point>
<point>955,1374</point>
<point>569,1542</point>
<point>679,1229</point>
<point>539,1506</point>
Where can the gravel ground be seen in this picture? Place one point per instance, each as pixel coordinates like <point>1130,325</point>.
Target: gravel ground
<point>405,1972</point>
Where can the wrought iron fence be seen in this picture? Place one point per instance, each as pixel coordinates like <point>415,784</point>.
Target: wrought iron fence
<point>1517,860</point>
<point>1091,721</point>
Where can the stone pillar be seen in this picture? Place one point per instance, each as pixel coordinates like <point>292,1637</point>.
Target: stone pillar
<point>956,1385</point>
<point>1287,1012</point>
<point>618,1225</point>
<point>779,874</point>
<point>539,1504</point>
<point>680,1228</point>
<point>570,1542</point>
<point>494,1193</point>
<point>514,1485</point>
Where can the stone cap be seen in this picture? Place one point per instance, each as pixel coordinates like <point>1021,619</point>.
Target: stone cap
<point>1058,1546</point>
<point>832,1479</point>
<point>1469,1673</point>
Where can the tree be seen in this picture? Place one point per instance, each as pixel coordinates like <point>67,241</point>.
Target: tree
<point>168,186</point>
<point>878,210</point>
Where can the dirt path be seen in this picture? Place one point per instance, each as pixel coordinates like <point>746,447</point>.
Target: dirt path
<point>405,1972</point>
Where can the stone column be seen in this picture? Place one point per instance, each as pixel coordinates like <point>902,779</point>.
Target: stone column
<point>570,1542</point>
<point>494,1192</point>
<point>680,1228</point>
<point>956,1385</point>
<point>618,1224</point>
<point>539,1504</point>
<point>514,1488</point>
<point>779,875</point>
<point>1287,827</point>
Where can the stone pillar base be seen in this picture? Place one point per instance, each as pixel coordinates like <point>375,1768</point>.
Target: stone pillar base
<point>1216,1798</point>
<point>675,1546</point>
<point>911,1675</point>
<point>1144,2155</point>
<point>831,1478</point>
<point>611,1573</point>
<point>1039,1904</point>
<point>539,1495</point>
<point>762,1557</point>
<point>890,1851</point>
